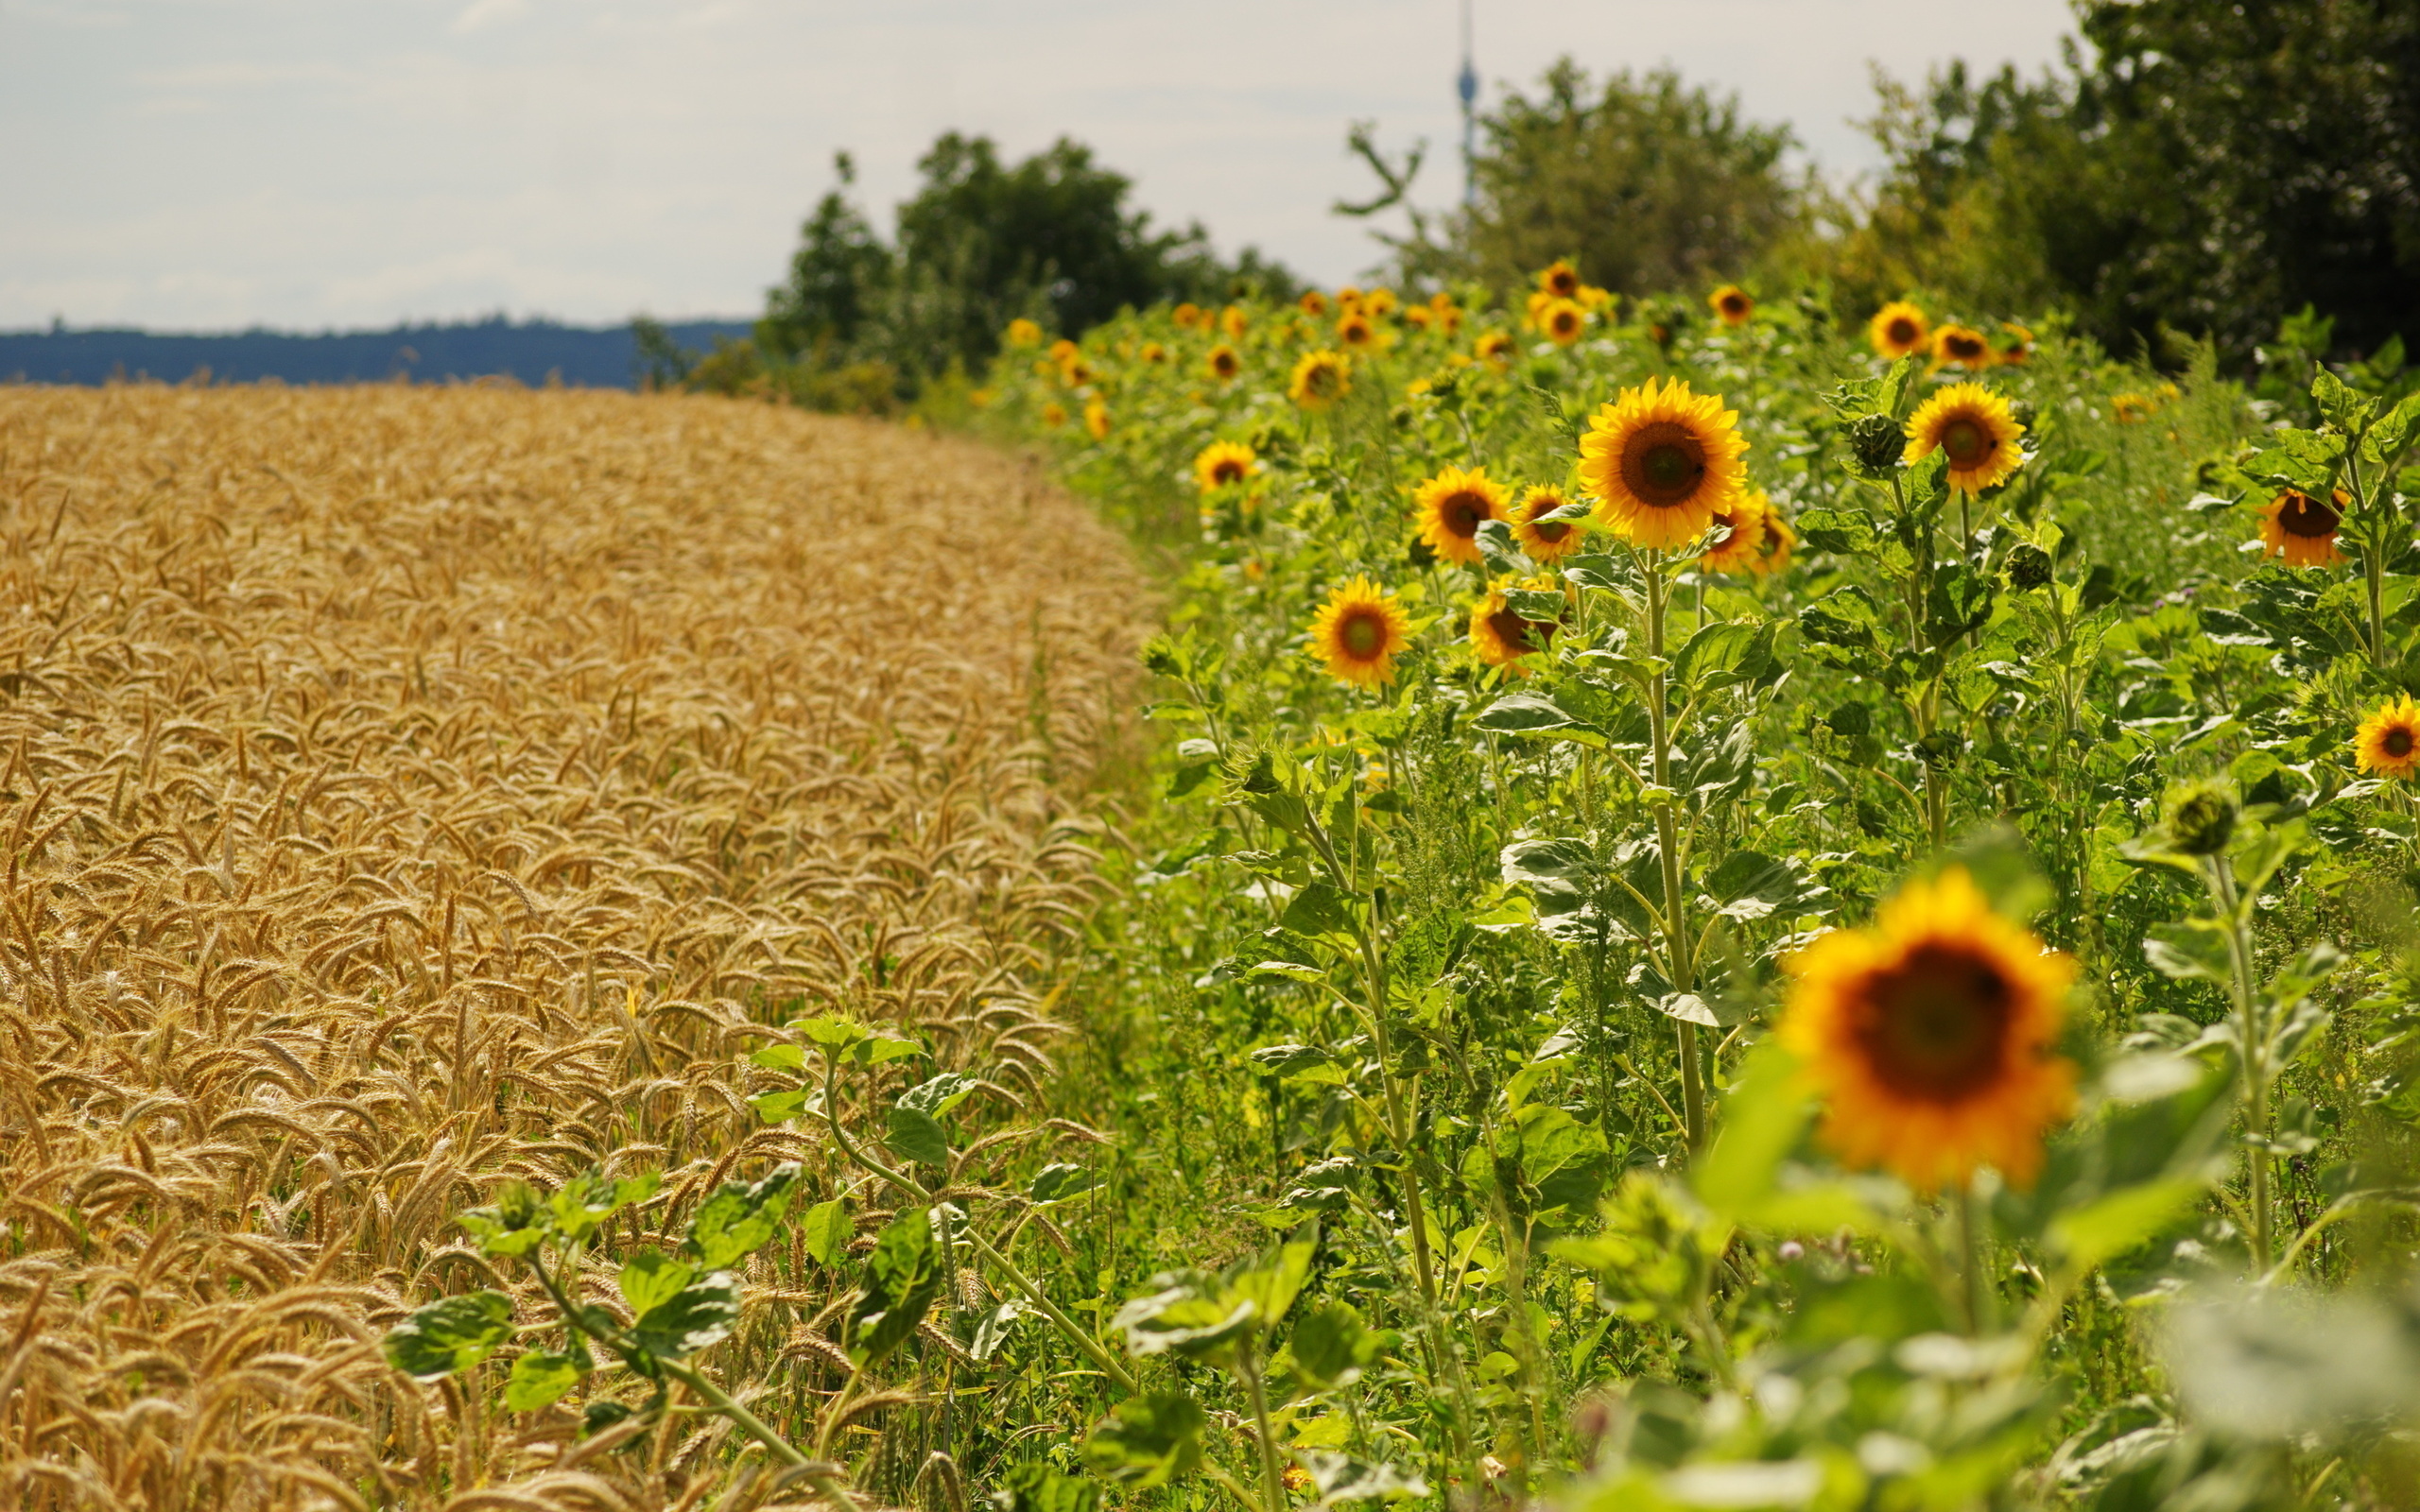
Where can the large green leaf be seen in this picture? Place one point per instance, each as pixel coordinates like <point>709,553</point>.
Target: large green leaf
<point>450,1334</point>
<point>1149,1440</point>
<point>903,1275</point>
<point>538,1378</point>
<point>740,1218</point>
<point>698,1316</point>
<point>827,1229</point>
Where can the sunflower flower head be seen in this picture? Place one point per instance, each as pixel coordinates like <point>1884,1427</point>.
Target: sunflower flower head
<point>1063,352</point>
<point>1356,332</point>
<point>1359,632</point>
<point>1974,429</point>
<point>1312,303</point>
<point>1732,303</point>
<point>1235,322</point>
<point>1931,1037</point>
<point>1380,304</point>
<point>1024,332</point>
<point>1740,551</point>
<point>1223,464</point>
<point>1096,420</point>
<point>1898,330</point>
<point>1563,320</point>
<point>1054,414</point>
<point>1960,346</point>
<point>1500,635</point>
<point>1186,316</point>
<point>1494,348</point>
<point>1559,280</point>
<point>2388,743</point>
<point>1224,362</point>
<point>1452,506</point>
<point>1155,354</point>
<point>1547,539</point>
<point>1320,378</point>
<point>2302,529</point>
<point>1773,544</point>
<point>1660,462</point>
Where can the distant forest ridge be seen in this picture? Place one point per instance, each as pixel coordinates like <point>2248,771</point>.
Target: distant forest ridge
<point>532,352</point>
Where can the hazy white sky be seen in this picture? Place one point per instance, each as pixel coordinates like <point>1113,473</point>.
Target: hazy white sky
<point>210,164</point>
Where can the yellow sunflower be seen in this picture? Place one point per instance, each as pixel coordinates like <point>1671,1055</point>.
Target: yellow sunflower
<point>1054,414</point>
<point>1224,362</point>
<point>1662,461</point>
<point>1313,304</point>
<point>1222,463</point>
<point>1501,637</point>
<point>1960,346</point>
<point>2132,409</point>
<point>1076,372</point>
<point>1731,302</point>
<point>1063,352</point>
<point>1359,631</point>
<point>1773,546</point>
<point>1096,420</point>
<point>1739,552</point>
<point>1563,320</point>
<point>1023,332</point>
<point>2013,345</point>
<point>1897,329</point>
<point>1931,1036</point>
<point>1155,352</point>
<point>1320,378</point>
<point>1380,304</point>
<point>1496,348</point>
<point>2389,741</point>
<point>1355,334</point>
<point>1448,315</point>
<point>1452,506</point>
<point>1233,322</point>
<point>1187,314</point>
<point>2302,529</point>
<point>1551,540</point>
<point>1978,431</point>
<point>1559,280</point>
<point>1418,316</point>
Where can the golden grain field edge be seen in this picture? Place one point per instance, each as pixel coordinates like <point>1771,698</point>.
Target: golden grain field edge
<point>406,790</point>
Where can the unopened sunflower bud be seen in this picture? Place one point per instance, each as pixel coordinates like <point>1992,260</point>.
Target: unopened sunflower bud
<point>2200,817</point>
<point>1876,442</point>
<point>2029,568</point>
<point>2022,411</point>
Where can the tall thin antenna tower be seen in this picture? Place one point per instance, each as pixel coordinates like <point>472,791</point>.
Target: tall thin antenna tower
<point>1466,84</point>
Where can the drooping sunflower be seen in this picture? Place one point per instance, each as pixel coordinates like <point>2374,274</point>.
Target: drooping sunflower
<point>1313,304</point>
<point>1501,637</point>
<point>1359,631</point>
<point>1222,463</point>
<point>1660,462</point>
<point>1975,428</point>
<point>1960,346</point>
<point>1559,279</point>
<point>1224,362</point>
<point>2302,529</point>
<point>1739,552</point>
<point>1731,302</point>
<point>1773,546</point>
<point>1355,334</point>
<point>1494,348</point>
<point>1023,332</point>
<point>2389,739</point>
<point>1552,539</point>
<point>1563,320</point>
<point>1452,506</point>
<point>1897,329</point>
<point>1932,1037</point>
<point>1320,378</point>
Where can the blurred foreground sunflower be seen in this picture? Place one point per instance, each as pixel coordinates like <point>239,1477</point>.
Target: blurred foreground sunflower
<point>1320,378</point>
<point>1452,506</point>
<point>1978,431</point>
<point>1931,1037</point>
<point>2388,743</point>
<point>2302,529</point>
<point>1662,461</point>
<point>1359,631</point>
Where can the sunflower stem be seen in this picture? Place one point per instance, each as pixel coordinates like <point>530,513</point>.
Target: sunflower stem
<point>1970,1260</point>
<point>1667,839</point>
<point>2252,1048</point>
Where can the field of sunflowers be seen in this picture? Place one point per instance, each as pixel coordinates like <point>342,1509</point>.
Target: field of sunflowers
<point>1746,908</point>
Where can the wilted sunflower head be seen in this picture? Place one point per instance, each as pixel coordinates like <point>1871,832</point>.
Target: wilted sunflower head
<point>1222,464</point>
<point>2388,743</point>
<point>1662,461</point>
<point>1358,633</point>
<point>1960,346</point>
<point>1501,637</point>
<point>1738,551</point>
<point>1974,429</point>
<point>1732,303</point>
<point>1559,279</point>
<point>1320,378</point>
<point>1452,506</point>
<point>1224,362</point>
<point>1898,329</point>
<point>1547,540</point>
<point>2302,529</point>
<point>1023,332</point>
<point>2028,567</point>
<point>1931,1036</point>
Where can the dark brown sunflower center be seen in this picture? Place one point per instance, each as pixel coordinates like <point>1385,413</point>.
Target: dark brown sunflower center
<point>1935,1026</point>
<point>1664,464</point>
<point>1551,531</point>
<point>1464,511</point>
<point>1965,349</point>
<point>1735,304</point>
<point>1564,285</point>
<point>1227,470</point>
<point>2307,516</point>
<point>1515,631</point>
<point>1902,331</point>
<point>1966,442</point>
<point>2398,742</point>
<point>1321,380</point>
<point>1224,362</point>
<point>1361,634</point>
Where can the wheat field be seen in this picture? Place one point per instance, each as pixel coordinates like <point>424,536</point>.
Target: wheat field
<point>410,789</point>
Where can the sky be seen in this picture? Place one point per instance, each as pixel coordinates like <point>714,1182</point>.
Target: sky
<point>212,164</point>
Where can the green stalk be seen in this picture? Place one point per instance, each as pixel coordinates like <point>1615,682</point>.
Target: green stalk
<point>2251,1047</point>
<point>1679,958</point>
<point>1272,1479</point>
